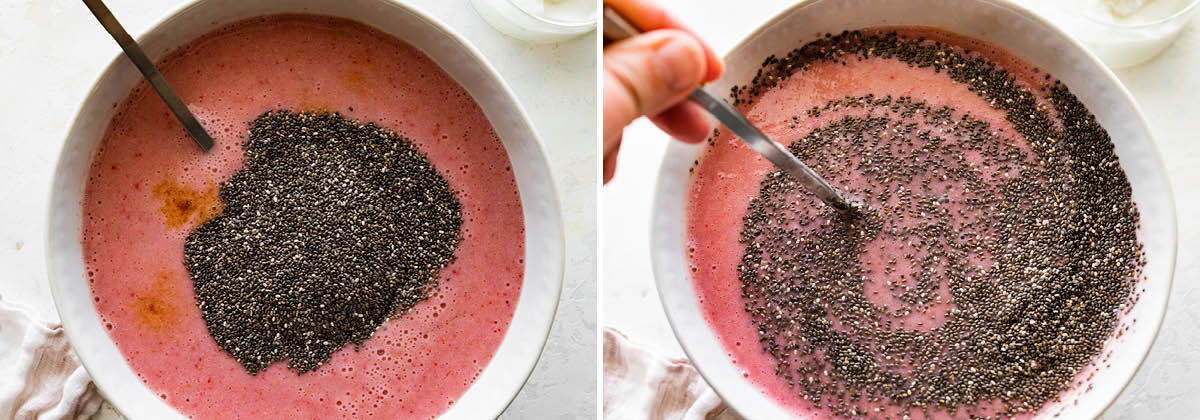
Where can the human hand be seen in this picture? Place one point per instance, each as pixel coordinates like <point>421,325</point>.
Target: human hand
<point>651,74</point>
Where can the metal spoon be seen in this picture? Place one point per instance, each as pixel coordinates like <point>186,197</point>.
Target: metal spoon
<point>151,73</point>
<point>616,28</point>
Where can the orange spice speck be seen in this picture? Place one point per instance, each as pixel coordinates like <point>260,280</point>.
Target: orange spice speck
<point>180,203</point>
<point>356,81</point>
<point>155,306</point>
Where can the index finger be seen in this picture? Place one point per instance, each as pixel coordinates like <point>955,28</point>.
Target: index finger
<point>648,16</point>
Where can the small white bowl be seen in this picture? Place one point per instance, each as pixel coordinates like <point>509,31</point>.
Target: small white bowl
<point>1126,43</point>
<point>513,20</point>
<point>517,354</point>
<point>1002,23</point>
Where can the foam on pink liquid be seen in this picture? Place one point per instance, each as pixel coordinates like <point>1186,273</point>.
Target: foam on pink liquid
<point>729,174</point>
<point>416,365</point>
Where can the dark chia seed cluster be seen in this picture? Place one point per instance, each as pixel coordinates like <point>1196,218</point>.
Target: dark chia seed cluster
<point>331,228</point>
<point>1025,242</point>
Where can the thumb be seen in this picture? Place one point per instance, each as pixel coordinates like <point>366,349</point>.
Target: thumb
<point>647,74</point>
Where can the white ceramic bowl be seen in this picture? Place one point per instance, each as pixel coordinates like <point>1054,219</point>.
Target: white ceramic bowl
<point>518,352</point>
<point>1006,25</point>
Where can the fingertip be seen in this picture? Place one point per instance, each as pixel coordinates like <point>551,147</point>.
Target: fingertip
<point>610,167</point>
<point>686,122</point>
<point>681,59</point>
<point>714,66</point>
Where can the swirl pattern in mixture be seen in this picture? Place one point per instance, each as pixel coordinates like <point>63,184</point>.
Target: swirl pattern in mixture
<point>986,273</point>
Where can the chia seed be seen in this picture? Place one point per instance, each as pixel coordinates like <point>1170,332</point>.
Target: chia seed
<point>330,229</point>
<point>1054,227</point>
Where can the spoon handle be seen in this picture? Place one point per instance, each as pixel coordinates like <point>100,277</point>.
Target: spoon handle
<point>151,73</point>
<point>769,149</point>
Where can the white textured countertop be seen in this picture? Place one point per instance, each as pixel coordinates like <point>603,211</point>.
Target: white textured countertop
<point>51,51</point>
<point>1168,90</point>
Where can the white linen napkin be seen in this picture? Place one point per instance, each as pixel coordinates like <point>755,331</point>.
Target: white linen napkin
<point>40,378</point>
<point>639,384</point>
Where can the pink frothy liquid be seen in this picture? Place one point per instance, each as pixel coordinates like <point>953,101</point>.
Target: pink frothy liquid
<point>150,185</point>
<point>729,174</point>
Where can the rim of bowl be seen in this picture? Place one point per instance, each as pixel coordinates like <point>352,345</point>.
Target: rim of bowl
<point>1112,80</point>
<point>558,233</point>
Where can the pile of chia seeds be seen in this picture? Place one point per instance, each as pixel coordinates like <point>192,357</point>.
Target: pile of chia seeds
<point>1036,246</point>
<point>331,228</point>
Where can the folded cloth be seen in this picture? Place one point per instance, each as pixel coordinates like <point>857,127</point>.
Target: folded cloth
<point>639,384</point>
<point>40,378</point>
